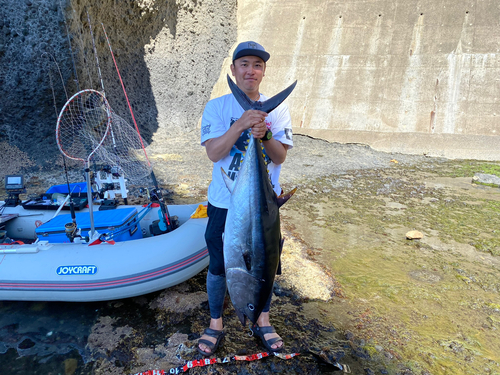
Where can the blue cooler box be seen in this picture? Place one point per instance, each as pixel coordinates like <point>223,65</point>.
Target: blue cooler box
<point>104,222</point>
<point>75,188</point>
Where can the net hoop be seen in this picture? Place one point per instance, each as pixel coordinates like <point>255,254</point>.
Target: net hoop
<point>123,147</point>
<point>63,119</point>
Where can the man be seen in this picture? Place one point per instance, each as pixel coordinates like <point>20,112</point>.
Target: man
<point>225,131</point>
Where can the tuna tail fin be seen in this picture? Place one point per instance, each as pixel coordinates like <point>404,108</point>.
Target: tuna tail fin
<point>267,106</point>
<point>283,198</point>
<point>271,103</point>
<point>242,98</point>
<point>229,183</point>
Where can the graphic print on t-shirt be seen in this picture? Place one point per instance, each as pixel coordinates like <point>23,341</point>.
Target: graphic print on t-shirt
<point>238,152</point>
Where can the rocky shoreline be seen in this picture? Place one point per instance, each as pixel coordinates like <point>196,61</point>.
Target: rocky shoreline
<point>160,330</point>
<point>182,312</point>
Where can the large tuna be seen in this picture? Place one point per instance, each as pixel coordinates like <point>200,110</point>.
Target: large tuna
<point>252,237</point>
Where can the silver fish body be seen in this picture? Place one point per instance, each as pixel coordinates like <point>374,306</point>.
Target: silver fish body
<point>252,236</point>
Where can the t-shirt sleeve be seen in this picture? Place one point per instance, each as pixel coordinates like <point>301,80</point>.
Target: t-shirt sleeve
<point>212,124</point>
<point>282,128</point>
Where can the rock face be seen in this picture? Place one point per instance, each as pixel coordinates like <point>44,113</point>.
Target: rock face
<point>166,52</point>
<point>410,76</point>
<point>32,36</point>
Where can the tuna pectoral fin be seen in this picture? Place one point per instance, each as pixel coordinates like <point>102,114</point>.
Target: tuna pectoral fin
<point>283,198</point>
<point>227,180</point>
<point>241,316</point>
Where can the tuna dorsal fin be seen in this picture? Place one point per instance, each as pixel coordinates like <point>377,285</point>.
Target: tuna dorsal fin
<point>283,198</point>
<point>229,183</point>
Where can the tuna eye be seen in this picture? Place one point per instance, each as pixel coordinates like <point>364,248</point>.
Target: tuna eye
<point>251,307</point>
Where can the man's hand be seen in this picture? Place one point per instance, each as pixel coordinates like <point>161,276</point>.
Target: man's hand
<point>259,130</point>
<point>254,119</point>
<point>219,147</point>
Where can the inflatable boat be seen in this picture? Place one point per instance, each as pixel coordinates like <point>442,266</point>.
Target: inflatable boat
<point>39,261</point>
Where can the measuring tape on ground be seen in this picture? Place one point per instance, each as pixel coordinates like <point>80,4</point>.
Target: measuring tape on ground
<point>212,361</point>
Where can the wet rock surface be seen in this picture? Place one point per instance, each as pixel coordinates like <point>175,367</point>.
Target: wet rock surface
<point>178,329</point>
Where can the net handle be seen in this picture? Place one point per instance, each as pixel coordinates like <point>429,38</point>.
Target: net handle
<point>61,114</point>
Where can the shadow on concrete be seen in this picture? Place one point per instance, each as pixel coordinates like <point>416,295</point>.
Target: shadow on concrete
<point>37,72</point>
<point>130,27</point>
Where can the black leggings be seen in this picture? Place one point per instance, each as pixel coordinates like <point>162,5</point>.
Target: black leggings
<point>213,237</point>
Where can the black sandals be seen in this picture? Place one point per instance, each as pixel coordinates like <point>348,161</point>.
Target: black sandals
<point>213,347</point>
<point>261,331</point>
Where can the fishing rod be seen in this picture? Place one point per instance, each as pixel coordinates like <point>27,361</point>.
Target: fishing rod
<point>95,53</point>
<point>77,81</point>
<point>71,202</point>
<point>111,130</point>
<point>165,217</point>
<point>80,44</point>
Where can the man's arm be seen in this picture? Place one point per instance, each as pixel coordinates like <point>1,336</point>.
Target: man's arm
<point>219,147</point>
<point>274,149</point>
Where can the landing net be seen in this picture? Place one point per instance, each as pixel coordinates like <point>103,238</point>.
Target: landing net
<point>123,147</point>
<point>83,124</point>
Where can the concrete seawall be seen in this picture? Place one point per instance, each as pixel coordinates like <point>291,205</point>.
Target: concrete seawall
<point>406,76</point>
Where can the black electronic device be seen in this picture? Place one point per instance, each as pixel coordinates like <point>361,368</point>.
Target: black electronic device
<point>108,204</point>
<point>14,185</point>
<point>154,227</point>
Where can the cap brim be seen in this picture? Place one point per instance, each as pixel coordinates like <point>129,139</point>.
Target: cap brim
<point>252,52</point>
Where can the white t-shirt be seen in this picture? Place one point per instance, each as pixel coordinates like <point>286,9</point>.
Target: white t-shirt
<point>218,116</point>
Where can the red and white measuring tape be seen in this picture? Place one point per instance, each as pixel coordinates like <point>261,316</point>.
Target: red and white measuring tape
<point>211,361</point>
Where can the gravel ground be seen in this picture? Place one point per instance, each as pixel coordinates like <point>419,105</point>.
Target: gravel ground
<point>182,163</point>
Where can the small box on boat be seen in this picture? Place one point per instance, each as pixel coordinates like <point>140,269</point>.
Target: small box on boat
<point>75,188</point>
<point>121,221</point>
<point>53,197</point>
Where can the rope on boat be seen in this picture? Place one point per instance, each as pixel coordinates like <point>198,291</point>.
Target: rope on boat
<point>211,361</point>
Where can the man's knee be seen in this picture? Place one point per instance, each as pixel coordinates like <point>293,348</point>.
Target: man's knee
<point>213,239</point>
<point>216,252</point>
<point>216,268</point>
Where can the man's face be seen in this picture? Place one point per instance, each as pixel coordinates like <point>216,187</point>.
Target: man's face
<point>248,72</point>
